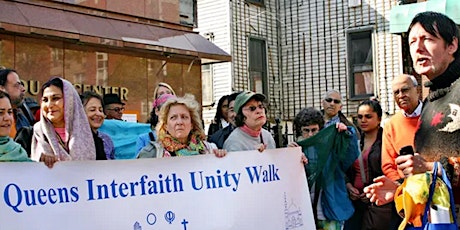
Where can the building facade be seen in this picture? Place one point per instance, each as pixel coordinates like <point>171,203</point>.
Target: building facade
<point>294,51</point>
<point>107,46</point>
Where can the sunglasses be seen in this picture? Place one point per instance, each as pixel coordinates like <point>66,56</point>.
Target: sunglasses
<point>367,116</point>
<point>336,101</point>
<point>253,108</point>
<point>117,109</point>
<point>307,130</point>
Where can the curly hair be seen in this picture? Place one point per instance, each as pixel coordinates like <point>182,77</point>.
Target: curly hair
<point>307,116</point>
<point>193,107</point>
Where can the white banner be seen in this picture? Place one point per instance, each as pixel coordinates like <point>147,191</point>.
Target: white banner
<point>243,190</point>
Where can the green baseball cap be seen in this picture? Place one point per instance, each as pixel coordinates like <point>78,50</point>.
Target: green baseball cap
<point>244,97</point>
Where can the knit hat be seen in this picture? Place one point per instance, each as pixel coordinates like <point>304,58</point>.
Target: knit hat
<point>244,97</point>
<point>161,100</point>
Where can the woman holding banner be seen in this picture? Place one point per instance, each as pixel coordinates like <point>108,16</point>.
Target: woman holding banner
<point>9,149</point>
<point>63,132</point>
<point>94,110</point>
<point>250,117</point>
<point>179,131</point>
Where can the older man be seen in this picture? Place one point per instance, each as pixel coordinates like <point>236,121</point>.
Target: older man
<point>332,106</point>
<point>399,131</point>
<point>113,107</point>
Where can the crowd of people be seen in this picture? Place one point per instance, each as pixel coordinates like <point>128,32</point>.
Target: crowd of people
<point>353,171</point>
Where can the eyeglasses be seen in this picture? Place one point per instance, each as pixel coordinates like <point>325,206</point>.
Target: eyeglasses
<point>403,90</point>
<point>117,109</point>
<point>367,116</point>
<point>336,101</point>
<point>18,84</point>
<point>253,108</point>
<point>307,130</point>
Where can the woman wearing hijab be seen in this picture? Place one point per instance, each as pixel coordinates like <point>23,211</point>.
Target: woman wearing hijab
<point>63,132</point>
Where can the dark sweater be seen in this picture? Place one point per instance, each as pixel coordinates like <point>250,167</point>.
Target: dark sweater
<point>438,136</point>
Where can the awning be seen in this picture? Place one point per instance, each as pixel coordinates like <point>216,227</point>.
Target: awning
<point>33,19</point>
<point>401,16</point>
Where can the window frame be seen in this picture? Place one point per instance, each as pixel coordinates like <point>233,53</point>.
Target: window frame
<point>264,70</point>
<point>207,89</point>
<point>256,2</point>
<point>359,33</point>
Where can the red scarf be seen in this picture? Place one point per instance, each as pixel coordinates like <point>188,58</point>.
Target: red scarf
<point>250,132</point>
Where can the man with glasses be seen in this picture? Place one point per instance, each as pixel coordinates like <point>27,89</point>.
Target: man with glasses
<point>21,129</point>
<point>113,107</point>
<point>399,131</point>
<point>332,104</point>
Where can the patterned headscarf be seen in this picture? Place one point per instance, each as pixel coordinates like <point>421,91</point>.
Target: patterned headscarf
<point>79,139</point>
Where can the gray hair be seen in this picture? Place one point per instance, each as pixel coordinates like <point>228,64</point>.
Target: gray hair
<point>411,77</point>
<point>329,92</point>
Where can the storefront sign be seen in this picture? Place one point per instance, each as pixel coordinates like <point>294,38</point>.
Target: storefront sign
<point>33,88</point>
<point>244,190</point>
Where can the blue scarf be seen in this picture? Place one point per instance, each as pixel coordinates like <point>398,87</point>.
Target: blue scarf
<point>12,151</point>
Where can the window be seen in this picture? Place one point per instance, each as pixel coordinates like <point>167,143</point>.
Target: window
<point>102,67</point>
<point>187,12</point>
<point>256,2</point>
<point>258,66</point>
<point>361,73</point>
<point>206,82</point>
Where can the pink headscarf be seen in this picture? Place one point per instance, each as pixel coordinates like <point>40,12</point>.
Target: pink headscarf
<point>161,100</point>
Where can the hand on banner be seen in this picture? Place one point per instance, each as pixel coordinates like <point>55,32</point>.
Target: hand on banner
<point>49,159</point>
<point>382,191</point>
<point>304,159</point>
<point>261,147</point>
<point>220,152</point>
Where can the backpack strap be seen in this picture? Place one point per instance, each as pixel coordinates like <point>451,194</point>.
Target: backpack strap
<point>152,138</point>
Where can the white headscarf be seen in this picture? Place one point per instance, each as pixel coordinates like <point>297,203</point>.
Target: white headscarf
<point>79,139</point>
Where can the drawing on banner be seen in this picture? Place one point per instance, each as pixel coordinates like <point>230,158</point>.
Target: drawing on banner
<point>151,219</point>
<point>170,216</point>
<point>137,226</point>
<point>292,213</point>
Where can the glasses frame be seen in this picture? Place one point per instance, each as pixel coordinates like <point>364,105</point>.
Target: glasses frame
<point>117,109</point>
<point>253,108</point>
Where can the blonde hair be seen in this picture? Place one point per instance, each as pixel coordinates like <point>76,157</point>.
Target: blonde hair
<point>163,85</point>
<point>193,107</point>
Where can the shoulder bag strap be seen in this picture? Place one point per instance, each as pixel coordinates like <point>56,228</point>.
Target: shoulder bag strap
<point>433,187</point>
<point>152,138</point>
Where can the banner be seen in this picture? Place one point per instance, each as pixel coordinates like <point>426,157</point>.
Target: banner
<point>243,190</point>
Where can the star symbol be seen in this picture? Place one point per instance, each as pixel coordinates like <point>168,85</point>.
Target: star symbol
<point>437,118</point>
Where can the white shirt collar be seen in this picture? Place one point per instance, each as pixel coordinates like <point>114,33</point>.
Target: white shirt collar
<point>416,112</point>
